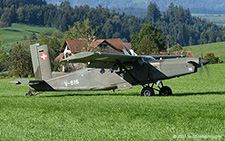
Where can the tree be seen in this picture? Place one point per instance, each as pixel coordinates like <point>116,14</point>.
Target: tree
<point>177,50</point>
<point>33,36</point>
<point>148,32</point>
<point>153,14</point>
<point>54,46</point>
<point>108,29</point>
<point>20,14</point>
<point>148,46</point>
<point>3,62</point>
<point>19,60</point>
<point>6,17</point>
<point>1,40</point>
<point>54,50</point>
<point>81,30</point>
<point>176,21</point>
<point>42,38</point>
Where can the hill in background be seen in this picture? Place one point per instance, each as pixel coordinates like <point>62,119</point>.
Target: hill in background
<point>200,5</point>
<point>18,32</point>
<point>212,11</point>
<point>217,48</point>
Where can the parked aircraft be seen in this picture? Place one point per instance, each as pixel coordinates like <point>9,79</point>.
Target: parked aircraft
<point>109,71</point>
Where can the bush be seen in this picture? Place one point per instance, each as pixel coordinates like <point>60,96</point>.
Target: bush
<point>212,58</point>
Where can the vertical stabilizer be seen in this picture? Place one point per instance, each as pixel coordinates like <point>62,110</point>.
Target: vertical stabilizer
<point>41,61</point>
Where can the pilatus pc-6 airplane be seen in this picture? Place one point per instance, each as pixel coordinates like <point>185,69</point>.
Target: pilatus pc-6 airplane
<point>109,72</point>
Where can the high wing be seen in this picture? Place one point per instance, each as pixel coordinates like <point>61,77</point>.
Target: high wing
<point>168,56</point>
<point>100,60</point>
<point>108,60</point>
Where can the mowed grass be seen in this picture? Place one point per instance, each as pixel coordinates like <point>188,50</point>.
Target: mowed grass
<point>196,110</point>
<point>17,32</point>
<point>217,48</point>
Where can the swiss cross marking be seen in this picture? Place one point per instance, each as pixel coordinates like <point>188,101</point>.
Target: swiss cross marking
<point>44,56</point>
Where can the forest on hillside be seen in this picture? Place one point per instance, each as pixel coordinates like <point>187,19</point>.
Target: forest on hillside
<point>176,23</point>
<point>195,6</point>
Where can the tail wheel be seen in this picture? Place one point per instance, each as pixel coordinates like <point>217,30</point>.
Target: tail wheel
<point>165,90</point>
<point>147,91</point>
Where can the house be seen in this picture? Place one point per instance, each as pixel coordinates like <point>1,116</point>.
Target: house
<point>115,46</point>
<point>107,46</point>
<point>70,47</point>
<point>189,54</point>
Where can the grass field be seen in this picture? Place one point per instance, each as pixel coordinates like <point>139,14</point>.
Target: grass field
<point>195,111</point>
<point>17,32</point>
<point>217,48</point>
<point>215,18</point>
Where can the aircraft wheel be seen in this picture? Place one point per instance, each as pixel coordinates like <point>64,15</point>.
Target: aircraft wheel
<point>29,94</point>
<point>165,90</point>
<point>147,91</point>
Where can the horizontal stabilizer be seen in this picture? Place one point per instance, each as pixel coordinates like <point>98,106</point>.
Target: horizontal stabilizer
<point>25,81</point>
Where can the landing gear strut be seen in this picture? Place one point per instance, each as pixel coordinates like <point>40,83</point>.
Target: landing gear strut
<point>29,93</point>
<point>163,90</point>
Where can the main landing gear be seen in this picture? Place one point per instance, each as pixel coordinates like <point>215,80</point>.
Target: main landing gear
<point>29,93</point>
<point>149,91</point>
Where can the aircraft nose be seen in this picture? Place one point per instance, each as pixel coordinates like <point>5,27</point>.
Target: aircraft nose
<point>204,61</point>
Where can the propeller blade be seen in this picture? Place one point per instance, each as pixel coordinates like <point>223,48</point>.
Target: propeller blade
<point>207,70</point>
<point>203,62</point>
<point>200,72</point>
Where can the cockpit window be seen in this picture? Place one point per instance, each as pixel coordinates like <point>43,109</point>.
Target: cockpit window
<point>146,59</point>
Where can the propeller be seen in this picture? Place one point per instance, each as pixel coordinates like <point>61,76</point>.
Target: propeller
<point>202,63</point>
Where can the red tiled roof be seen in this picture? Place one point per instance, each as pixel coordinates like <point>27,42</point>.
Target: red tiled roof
<point>60,57</point>
<point>75,45</point>
<point>96,43</point>
<point>189,54</point>
<point>127,45</point>
<point>117,43</point>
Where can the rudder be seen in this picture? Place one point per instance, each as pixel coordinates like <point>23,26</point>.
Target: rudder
<point>41,61</point>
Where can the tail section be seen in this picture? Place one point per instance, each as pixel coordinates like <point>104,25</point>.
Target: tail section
<point>41,61</point>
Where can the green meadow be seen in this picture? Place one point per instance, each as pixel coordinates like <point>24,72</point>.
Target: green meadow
<point>217,48</point>
<point>215,18</point>
<point>17,32</point>
<point>196,110</point>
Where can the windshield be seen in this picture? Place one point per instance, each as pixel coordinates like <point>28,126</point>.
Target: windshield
<point>146,59</point>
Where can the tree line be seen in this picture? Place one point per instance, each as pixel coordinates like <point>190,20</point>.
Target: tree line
<point>17,61</point>
<point>176,23</point>
<point>18,3</point>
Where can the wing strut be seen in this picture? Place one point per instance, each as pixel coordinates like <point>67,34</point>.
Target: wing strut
<point>122,66</point>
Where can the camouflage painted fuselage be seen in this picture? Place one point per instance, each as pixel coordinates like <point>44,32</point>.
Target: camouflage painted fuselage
<point>137,73</point>
<point>107,71</point>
